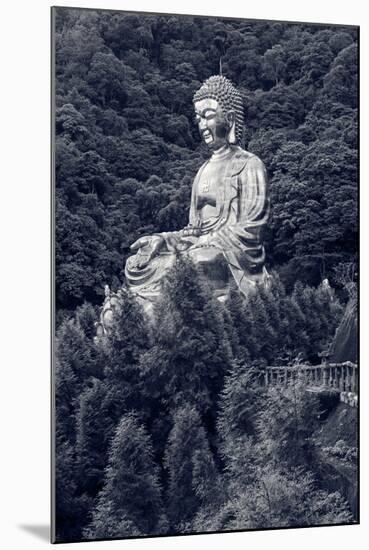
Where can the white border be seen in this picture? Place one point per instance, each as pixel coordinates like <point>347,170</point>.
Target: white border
<point>25,272</point>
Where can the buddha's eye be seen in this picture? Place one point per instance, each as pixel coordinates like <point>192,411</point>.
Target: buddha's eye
<point>209,116</point>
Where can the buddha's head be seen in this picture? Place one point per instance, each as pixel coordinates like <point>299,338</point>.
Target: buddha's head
<point>219,112</point>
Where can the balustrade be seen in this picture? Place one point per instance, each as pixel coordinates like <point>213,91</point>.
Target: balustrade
<point>342,376</point>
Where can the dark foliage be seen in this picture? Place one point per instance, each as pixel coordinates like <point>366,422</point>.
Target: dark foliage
<point>215,448</point>
<point>130,501</point>
<point>191,353</point>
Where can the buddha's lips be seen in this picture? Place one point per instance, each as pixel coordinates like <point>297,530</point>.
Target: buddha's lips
<point>206,134</point>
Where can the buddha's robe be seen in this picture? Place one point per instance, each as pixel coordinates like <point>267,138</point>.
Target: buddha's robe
<point>229,208</point>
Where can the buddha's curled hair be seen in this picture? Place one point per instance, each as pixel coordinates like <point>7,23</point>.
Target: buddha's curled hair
<point>222,90</point>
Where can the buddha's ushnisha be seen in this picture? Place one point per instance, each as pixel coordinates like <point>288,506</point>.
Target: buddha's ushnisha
<point>229,207</point>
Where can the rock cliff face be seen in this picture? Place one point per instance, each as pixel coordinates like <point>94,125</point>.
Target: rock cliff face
<point>344,346</point>
<point>336,458</point>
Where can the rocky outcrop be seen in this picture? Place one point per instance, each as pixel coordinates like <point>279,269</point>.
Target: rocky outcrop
<point>344,345</point>
<point>336,460</point>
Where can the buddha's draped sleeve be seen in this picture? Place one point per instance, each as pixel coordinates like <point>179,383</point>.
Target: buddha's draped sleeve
<point>174,238</point>
<point>239,234</point>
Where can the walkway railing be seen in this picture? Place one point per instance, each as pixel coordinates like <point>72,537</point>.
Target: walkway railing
<point>341,376</point>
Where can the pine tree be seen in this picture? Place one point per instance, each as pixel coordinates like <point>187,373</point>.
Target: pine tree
<point>192,353</point>
<point>231,331</point>
<point>264,334</point>
<point>297,340</point>
<point>130,502</point>
<point>128,340</point>
<point>86,317</point>
<point>305,298</point>
<point>240,401</point>
<point>94,426</point>
<point>242,322</point>
<point>193,477</point>
<point>73,350</point>
<point>71,508</point>
<point>286,422</point>
<point>64,494</point>
<point>65,401</point>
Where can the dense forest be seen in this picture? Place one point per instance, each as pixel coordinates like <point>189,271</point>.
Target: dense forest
<point>164,426</point>
<point>127,147</point>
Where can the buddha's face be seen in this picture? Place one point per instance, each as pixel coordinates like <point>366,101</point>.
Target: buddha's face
<point>214,125</point>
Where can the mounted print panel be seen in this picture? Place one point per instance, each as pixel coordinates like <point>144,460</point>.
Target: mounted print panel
<point>205,366</point>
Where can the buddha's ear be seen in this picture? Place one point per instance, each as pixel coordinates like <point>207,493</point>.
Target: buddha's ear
<point>231,120</point>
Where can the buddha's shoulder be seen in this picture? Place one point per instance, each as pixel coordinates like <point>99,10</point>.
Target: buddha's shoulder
<point>243,159</point>
<point>245,156</point>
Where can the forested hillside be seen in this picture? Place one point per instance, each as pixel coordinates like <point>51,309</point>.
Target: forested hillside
<point>163,425</point>
<point>165,428</point>
<point>127,147</point>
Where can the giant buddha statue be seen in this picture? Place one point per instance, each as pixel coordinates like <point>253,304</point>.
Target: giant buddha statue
<point>229,207</point>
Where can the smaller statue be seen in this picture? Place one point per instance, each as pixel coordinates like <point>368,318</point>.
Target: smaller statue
<point>111,302</point>
<point>326,287</point>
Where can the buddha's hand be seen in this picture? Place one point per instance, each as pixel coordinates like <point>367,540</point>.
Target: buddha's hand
<point>147,248</point>
<point>191,231</point>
